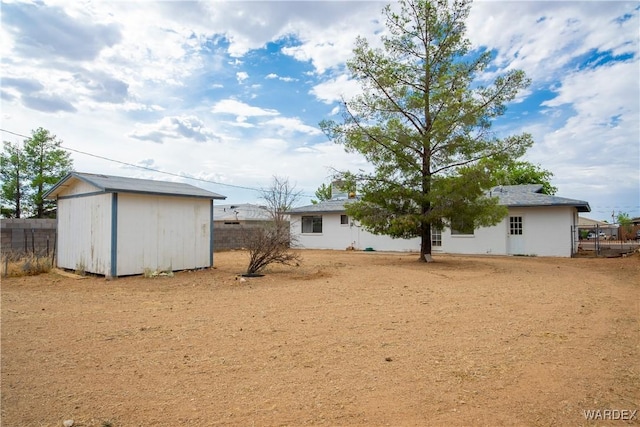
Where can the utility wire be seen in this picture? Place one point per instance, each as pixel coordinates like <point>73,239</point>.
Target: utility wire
<point>146,167</point>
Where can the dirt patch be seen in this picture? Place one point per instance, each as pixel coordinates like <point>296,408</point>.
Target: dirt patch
<point>346,338</point>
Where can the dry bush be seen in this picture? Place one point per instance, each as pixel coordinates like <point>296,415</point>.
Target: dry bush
<point>17,265</point>
<point>269,245</point>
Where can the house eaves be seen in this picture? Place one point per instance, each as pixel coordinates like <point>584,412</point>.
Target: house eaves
<point>327,206</point>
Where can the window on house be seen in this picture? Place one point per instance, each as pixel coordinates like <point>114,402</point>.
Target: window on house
<point>461,228</point>
<point>436,237</point>
<point>312,224</point>
<point>344,219</point>
<point>515,225</point>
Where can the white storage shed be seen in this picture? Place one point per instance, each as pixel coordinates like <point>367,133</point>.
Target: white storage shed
<point>116,226</point>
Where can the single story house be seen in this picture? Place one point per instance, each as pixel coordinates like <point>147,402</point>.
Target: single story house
<point>116,226</point>
<point>536,224</point>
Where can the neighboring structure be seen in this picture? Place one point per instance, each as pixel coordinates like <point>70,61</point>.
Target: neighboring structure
<point>598,228</point>
<point>116,226</point>
<point>231,223</point>
<point>537,224</point>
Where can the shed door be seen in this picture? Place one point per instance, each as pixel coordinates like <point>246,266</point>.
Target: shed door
<point>516,235</point>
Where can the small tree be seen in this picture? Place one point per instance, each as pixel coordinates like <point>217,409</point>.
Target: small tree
<point>518,173</point>
<point>626,226</point>
<point>13,173</point>
<point>46,164</point>
<point>272,243</point>
<point>322,193</point>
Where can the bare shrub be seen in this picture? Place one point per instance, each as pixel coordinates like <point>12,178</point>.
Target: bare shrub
<point>270,244</point>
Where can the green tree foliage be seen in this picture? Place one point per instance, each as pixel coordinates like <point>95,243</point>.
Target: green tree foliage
<point>29,172</point>
<point>518,173</point>
<point>47,164</point>
<point>424,123</point>
<point>13,171</point>
<point>322,193</point>
<point>626,225</point>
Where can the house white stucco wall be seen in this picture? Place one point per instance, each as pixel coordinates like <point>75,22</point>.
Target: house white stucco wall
<point>546,231</point>
<point>340,236</point>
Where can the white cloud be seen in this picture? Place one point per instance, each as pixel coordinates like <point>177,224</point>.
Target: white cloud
<point>240,109</point>
<point>290,125</point>
<point>241,76</point>
<point>180,127</point>
<point>336,89</point>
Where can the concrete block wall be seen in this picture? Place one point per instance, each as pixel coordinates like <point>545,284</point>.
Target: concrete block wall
<point>28,235</point>
<point>231,236</point>
<point>24,235</point>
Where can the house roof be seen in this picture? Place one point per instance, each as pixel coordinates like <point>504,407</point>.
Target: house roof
<point>118,184</point>
<point>509,195</point>
<point>241,212</point>
<point>530,196</point>
<point>327,206</point>
<point>588,222</point>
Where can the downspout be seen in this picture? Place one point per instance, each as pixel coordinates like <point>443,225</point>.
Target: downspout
<point>114,236</point>
<point>211,234</point>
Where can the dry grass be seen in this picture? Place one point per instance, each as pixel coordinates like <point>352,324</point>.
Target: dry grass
<point>19,265</point>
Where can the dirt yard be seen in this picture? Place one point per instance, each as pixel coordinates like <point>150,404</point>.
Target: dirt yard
<point>345,339</point>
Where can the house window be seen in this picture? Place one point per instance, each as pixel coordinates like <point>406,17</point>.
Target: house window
<point>436,237</point>
<point>312,224</point>
<point>461,228</point>
<point>344,219</point>
<point>515,225</point>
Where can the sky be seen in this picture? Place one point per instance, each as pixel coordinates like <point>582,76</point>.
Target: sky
<point>226,95</point>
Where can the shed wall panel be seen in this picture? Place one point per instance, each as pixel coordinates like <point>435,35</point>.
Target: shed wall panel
<point>160,233</point>
<point>80,187</point>
<point>84,230</point>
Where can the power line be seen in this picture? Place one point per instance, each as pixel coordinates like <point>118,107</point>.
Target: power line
<point>143,167</point>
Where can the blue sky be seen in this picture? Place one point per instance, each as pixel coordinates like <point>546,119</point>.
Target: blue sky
<point>231,93</point>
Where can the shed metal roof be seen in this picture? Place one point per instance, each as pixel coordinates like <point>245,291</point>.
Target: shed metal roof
<point>118,184</point>
<point>509,195</point>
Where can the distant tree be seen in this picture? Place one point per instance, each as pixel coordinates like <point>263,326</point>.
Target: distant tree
<point>322,193</point>
<point>280,197</point>
<point>13,173</point>
<point>626,226</point>
<point>518,173</point>
<point>46,164</point>
<point>424,122</point>
<point>272,243</point>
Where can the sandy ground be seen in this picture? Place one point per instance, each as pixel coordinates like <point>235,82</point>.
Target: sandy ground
<point>346,338</point>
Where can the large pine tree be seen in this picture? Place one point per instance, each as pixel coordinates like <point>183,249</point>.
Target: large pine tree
<point>424,123</point>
